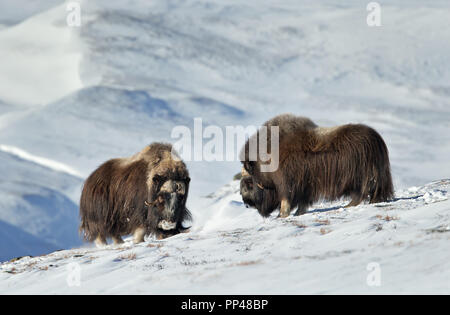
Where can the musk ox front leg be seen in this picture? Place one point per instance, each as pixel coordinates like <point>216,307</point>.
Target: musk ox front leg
<point>357,198</point>
<point>301,209</point>
<point>138,235</point>
<point>285,208</point>
<point>117,240</point>
<point>100,241</point>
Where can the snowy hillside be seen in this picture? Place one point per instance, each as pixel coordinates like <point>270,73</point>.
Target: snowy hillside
<point>35,197</point>
<point>16,242</point>
<point>73,97</point>
<point>327,250</point>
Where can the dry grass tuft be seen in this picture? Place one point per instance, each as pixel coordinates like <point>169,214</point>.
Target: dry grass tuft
<point>387,217</point>
<point>130,256</point>
<point>299,225</point>
<point>246,263</point>
<point>322,222</point>
<point>324,231</point>
<point>154,245</point>
<point>13,271</point>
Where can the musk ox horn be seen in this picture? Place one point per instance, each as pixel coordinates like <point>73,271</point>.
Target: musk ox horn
<point>244,172</point>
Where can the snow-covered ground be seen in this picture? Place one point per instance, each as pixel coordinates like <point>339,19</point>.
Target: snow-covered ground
<point>328,250</point>
<point>73,97</point>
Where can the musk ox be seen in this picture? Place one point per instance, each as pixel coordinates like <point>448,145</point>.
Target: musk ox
<point>140,195</point>
<point>316,163</point>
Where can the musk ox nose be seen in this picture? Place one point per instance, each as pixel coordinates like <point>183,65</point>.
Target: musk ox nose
<point>167,225</point>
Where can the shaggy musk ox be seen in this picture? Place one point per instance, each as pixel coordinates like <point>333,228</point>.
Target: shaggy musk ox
<point>141,195</point>
<point>315,162</point>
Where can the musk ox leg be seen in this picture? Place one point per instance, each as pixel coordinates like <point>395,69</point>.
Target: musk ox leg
<point>300,210</point>
<point>377,199</point>
<point>117,240</point>
<point>303,205</point>
<point>138,235</point>
<point>285,208</point>
<point>100,241</point>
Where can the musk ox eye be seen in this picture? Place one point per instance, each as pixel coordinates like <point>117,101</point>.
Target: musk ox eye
<point>157,179</point>
<point>180,189</point>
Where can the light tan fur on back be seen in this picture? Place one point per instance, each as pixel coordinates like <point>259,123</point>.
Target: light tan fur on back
<point>325,131</point>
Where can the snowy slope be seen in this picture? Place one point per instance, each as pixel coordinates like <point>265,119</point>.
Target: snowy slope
<point>326,250</point>
<point>35,198</point>
<point>16,243</point>
<point>15,11</point>
<point>40,46</point>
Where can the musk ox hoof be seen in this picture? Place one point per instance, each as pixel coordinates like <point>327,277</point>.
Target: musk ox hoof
<point>165,234</point>
<point>100,242</point>
<point>283,215</point>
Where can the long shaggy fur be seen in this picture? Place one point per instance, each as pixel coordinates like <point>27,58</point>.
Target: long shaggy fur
<point>120,196</point>
<point>314,162</point>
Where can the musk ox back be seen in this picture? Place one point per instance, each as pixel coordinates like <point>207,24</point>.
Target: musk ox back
<point>141,195</point>
<point>314,163</point>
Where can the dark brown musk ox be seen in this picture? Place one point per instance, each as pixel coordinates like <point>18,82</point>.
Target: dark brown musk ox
<point>316,163</point>
<point>140,195</point>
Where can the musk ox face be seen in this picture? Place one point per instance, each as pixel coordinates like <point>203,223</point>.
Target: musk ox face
<point>169,205</point>
<point>249,195</point>
<point>255,196</point>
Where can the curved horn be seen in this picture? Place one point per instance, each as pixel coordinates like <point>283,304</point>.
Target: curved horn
<point>244,172</point>
<point>260,186</point>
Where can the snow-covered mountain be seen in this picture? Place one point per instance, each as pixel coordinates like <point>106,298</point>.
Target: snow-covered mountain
<point>35,198</point>
<point>73,97</point>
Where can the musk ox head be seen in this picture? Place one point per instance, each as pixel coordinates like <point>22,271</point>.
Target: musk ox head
<point>254,195</point>
<point>168,208</point>
<point>168,184</point>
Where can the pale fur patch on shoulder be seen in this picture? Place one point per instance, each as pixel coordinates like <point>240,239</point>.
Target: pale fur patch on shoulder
<point>122,162</point>
<point>143,154</point>
<point>324,131</point>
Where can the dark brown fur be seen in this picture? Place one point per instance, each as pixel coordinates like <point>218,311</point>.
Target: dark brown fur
<point>124,194</point>
<point>346,161</point>
<point>265,200</point>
